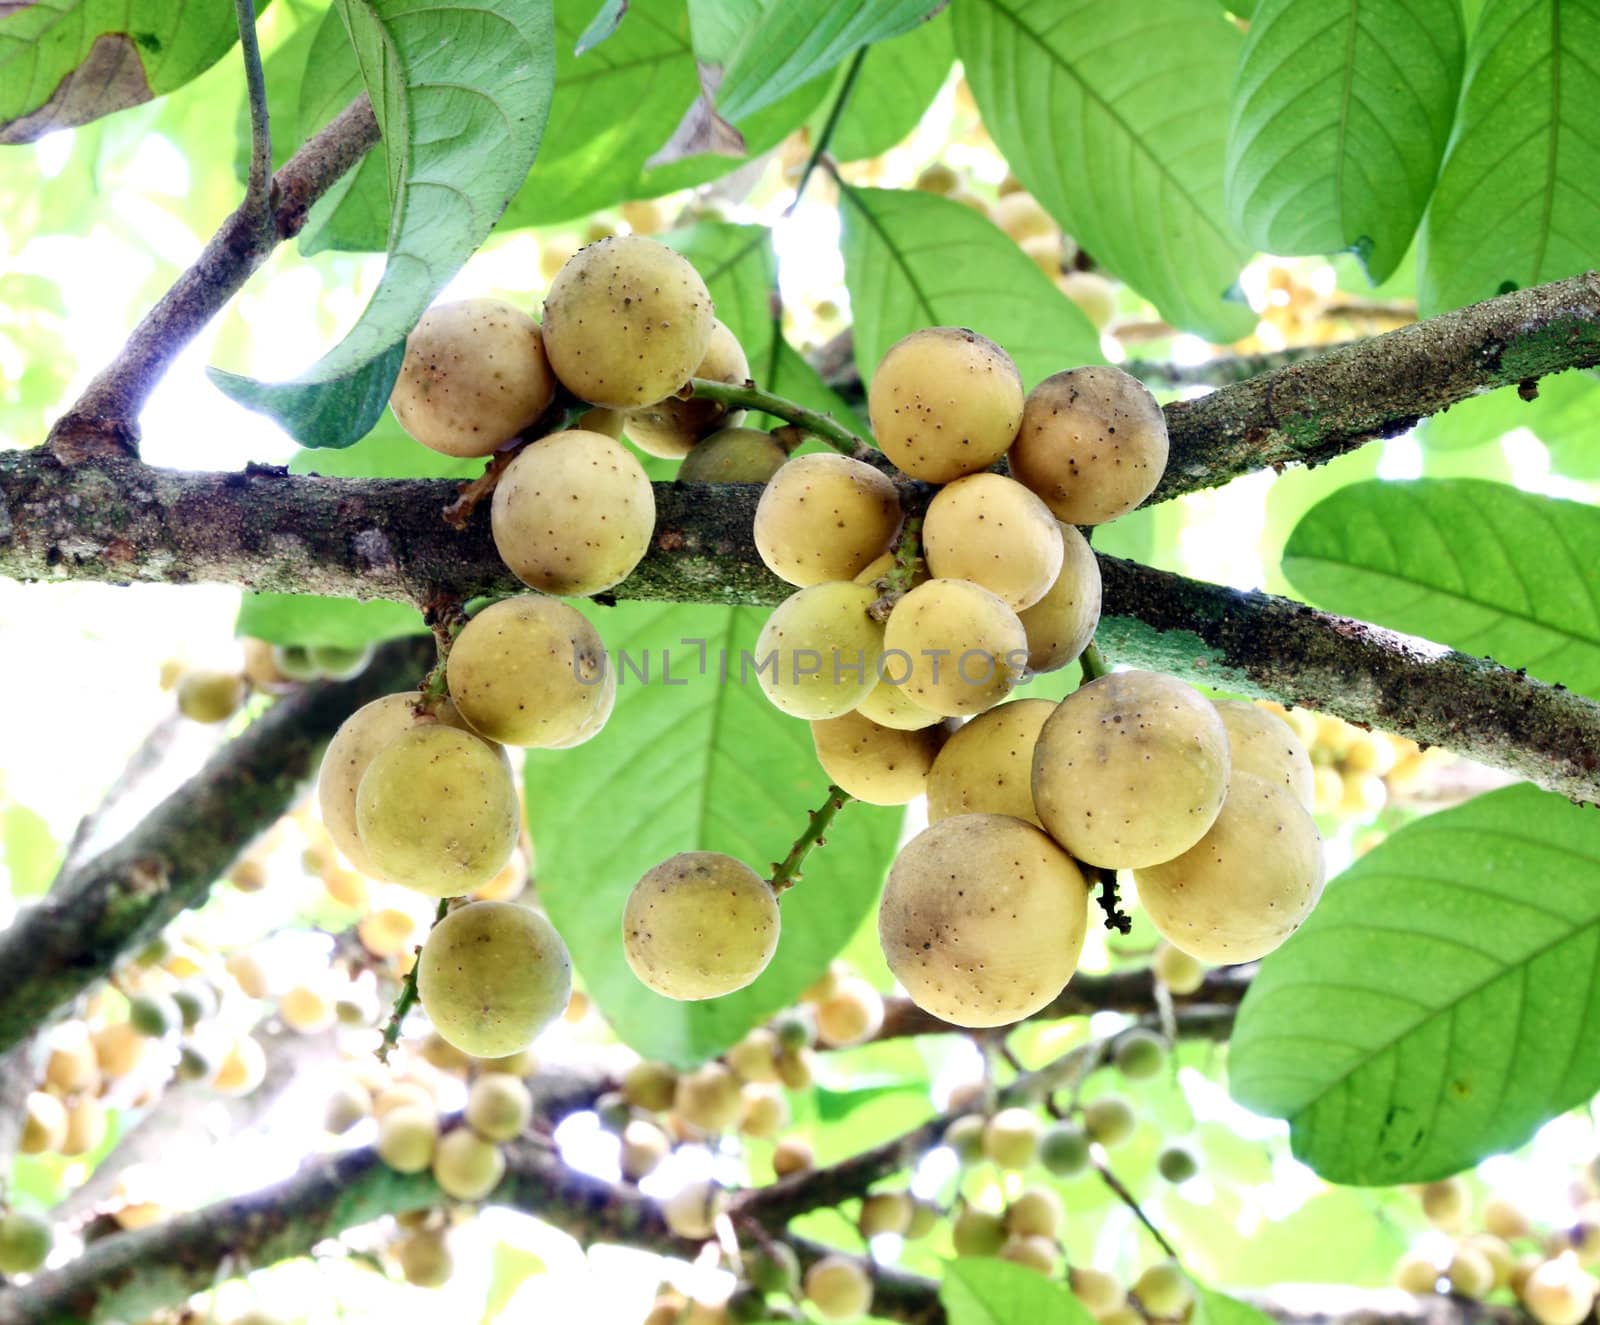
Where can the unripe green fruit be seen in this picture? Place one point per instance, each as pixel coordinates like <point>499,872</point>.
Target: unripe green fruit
<point>195,1002</point>
<point>339,662</point>
<point>925,1217</point>
<point>499,1106</point>
<point>466,1166</point>
<point>194,1064</point>
<point>1140,1054</point>
<point>573,514</point>
<point>1164,1290</point>
<point>406,1138</point>
<point>982,919</point>
<point>987,766</point>
<point>425,1259</point>
<point>956,647</point>
<point>671,427</point>
<point>1109,1120</point>
<point>650,1085</point>
<point>437,811</point>
<point>824,648</point>
<point>745,1307</point>
<point>691,1211</point>
<point>613,1111</point>
<point>838,1288</point>
<point>944,402</point>
<point>700,925</point>
<point>773,1267</point>
<point>294,663</point>
<point>210,696</point>
<point>1177,1164</point>
<point>1032,1253</point>
<point>825,517</point>
<point>25,1242</point>
<point>977,1232</point>
<point>531,671</point>
<point>474,376</point>
<point>1011,1138</point>
<point>153,1014</point>
<point>991,530</point>
<point>965,1137</point>
<point>1064,1149</point>
<point>733,455</point>
<point>1092,443</point>
<point>884,1212</point>
<point>709,1098</point>
<point>1262,743</point>
<point>796,1068</point>
<point>1181,973</point>
<point>1036,1212</point>
<point>492,975</point>
<point>626,322</point>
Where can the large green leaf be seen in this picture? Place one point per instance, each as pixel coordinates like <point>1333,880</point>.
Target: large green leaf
<point>914,260</point>
<point>994,1292</point>
<point>1479,566</point>
<point>1115,118</point>
<point>789,44</point>
<point>1515,204</point>
<point>899,79</point>
<point>1214,1308</point>
<point>1341,113</point>
<point>1441,1001</point>
<point>462,93</point>
<point>697,762</point>
<point>1565,416</point>
<point>28,849</point>
<point>72,61</point>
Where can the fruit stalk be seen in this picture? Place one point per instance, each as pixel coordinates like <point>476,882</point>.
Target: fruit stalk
<point>786,873</point>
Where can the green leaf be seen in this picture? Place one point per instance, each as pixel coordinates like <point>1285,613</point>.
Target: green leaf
<point>1515,204</point>
<point>1340,118</point>
<point>1115,118</point>
<point>388,451</point>
<point>1440,1004</point>
<point>510,1267</point>
<point>73,61</point>
<point>898,81</point>
<point>914,260</point>
<point>462,94</point>
<point>788,45</point>
<point>353,215</point>
<point>1214,1308</point>
<point>1479,566</point>
<point>693,763</point>
<point>981,1291</point>
<point>303,618</point>
<point>601,26</point>
<point>1564,416</point>
<point>31,853</point>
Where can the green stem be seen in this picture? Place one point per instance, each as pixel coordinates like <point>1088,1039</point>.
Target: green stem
<point>908,562</point>
<point>835,113</point>
<point>822,426</point>
<point>258,189</point>
<point>786,874</point>
<point>407,998</point>
<point>1093,662</point>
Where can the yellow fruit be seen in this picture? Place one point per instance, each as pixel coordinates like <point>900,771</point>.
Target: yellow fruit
<point>1416,1273</point>
<point>1559,1292</point>
<point>1092,444</point>
<point>241,1068</point>
<point>306,1010</point>
<point>838,1288</point>
<point>991,530</point>
<point>208,696</point>
<point>851,1014</point>
<point>670,428</point>
<point>1504,1218</point>
<point>945,402</point>
<point>1469,1272</point>
<point>792,1155</point>
<point>473,377</point>
<point>573,513</point>
<point>44,1124</point>
<point>248,876</point>
<point>825,517</point>
<point>466,1166</point>
<point>875,764</point>
<point>1446,1203</point>
<point>956,648</point>
<point>763,1111</point>
<point>818,654</point>
<point>1031,1252</point>
<point>626,322</point>
<point>1240,891</point>
<point>977,1233</point>
<point>987,766</point>
<point>406,1138</point>
<point>86,1127</point>
<point>404,1095</point>
<point>506,885</point>
<point>700,925</point>
<point>499,1106</point>
<point>1262,743</point>
<point>1099,1292</point>
<point>248,973</point>
<point>425,1259</point>
<point>1181,973</point>
<point>1164,1290</point>
<point>492,975</point>
<point>531,671</point>
<point>709,1098</point>
<point>1037,1212</point>
<point>1130,770</point>
<point>733,455</point>
<point>691,1211</point>
<point>1095,296</point>
<point>884,1212</point>
<point>1047,252</point>
<point>936,177</point>
<point>1011,1138</point>
<point>118,1048</point>
<point>387,932</point>
<point>72,1066</point>
<point>644,1146</point>
<point>650,1085</point>
<point>349,1104</point>
<point>1020,216</point>
<point>1062,623</point>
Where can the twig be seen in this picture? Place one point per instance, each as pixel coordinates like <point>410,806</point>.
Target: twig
<point>258,192</point>
<point>786,873</point>
<point>1093,663</point>
<point>407,998</point>
<point>562,413</point>
<point>826,136</point>
<point>1109,898</point>
<point>1225,369</point>
<point>1127,1198</point>
<point>908,564</point>
<point>824,427</point>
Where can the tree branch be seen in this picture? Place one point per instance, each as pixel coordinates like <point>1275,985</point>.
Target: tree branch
<point>123,897</point>
<point>104,423</point>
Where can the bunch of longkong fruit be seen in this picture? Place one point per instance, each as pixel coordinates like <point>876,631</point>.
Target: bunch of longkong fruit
<point>923,597</point>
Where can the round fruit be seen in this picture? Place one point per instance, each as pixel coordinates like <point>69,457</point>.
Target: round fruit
<point>1446,1203</point>
<point>875,764</point>
<point>644,1146</point>
<point>773,1267</point>
<point>1064,1149</point>
<point>499,1106</point>
<point>354,746</point>
<point>1181,973</point>
<point>792,1155</point>
<point>1093,444</point>
<point>964,1137</point>
<point>86,1127</point>
<point>466,1166</point>
<point>977,1232</point>
<point>25,1242</point>
<point>709,1098</point>
<point>825,517</point>
<point>1164,1290</point>
<point>691,1211</point>
<point>1098,1292</point>
<point>1036,1212</point>
<point>763,1112</point>
<point>755,1058</point>
<point>1504,1218</point>
<point>530,671</point>
<point>437,811</point>
<point>945,402</point>
<point>626,322</point>
<point>406,1138</point>
<point>1416,1273</point>
<point>987,766</point>
<point>1177,1164</point>
<point>241,1068</point>
<point>1109,1120</point>
<point>118,1048</point>
<point>955,647</point>
<point>1469,1272</point>
<point>884,1212</point>
<point>492,975</point>
<point>1011,1138</point>
<point>650,1085</point>
<point>838,1288</point>
<point>700,925</point>
<point>44,1124</point>
<point>349,1104</point>
<point>293,662</point>
<point>306,1010</point>
<point>341,663</point>
<point>474,376</point>
<point>1140,1054</point>
<point>851,1014</point>
<point>573,513</point>
<point>1246,885</point>
<point>671,427</point>
<point>1062,623</point>
<point>818,654</point>
<point>72,1066</point>
<point>1559,1292</point>
<point>733,455</point>
<point>425,1259</point>
<point>1130,770</point>
<point>991,530</point>
<point>1030,1252</point>
<point>1261,742</point>
<point>1095,296</point>
<point>210,696</point>
<point>153,1014</point>
<point>982,919</point>
<point>1020,216</point>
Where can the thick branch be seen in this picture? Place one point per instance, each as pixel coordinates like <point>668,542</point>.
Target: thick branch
<point>123,897</point>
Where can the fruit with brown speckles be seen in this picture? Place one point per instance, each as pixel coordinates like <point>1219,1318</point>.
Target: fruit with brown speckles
<point>817,656</point>
<point>879,765</point>
<point>987,766</point>
<point>670,428</point>
<point>991,530</point>
<point>982,919</point>
<point>474,376</point>
<point>1062,623</point>
<point>956,648</point>
<point>733,455</point>
<point>700,925</point>
<point>1261,742</point>
<point>825,517</point>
